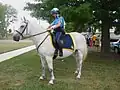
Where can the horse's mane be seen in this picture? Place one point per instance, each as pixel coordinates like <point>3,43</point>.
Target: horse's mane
<point>42,24</point>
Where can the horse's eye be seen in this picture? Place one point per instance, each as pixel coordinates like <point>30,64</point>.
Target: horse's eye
<point>22,26</point>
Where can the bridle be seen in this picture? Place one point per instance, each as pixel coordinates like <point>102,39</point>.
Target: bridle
<point>21,34</point>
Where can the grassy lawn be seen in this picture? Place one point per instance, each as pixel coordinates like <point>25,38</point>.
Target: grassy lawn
<point>22,73</point>
<point>8,46</point>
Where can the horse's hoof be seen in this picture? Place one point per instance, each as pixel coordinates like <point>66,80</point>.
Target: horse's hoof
<point>76,72</point>
<point>78,77</point>
<point>41,78</point>
<point>50,82</point>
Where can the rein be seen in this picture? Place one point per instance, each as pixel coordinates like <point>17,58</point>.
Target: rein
<point>42,42</point>
<point>21,34</point>
<point>30,35</point>
<point>34,36</point>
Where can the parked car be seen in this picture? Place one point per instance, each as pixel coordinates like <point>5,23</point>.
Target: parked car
<point>115,46</point>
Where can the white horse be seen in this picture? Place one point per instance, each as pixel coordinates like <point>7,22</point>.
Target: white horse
<point>42,41</point>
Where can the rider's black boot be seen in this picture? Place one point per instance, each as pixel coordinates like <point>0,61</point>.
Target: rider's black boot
<point>60,52</point>
<point>55,54</point>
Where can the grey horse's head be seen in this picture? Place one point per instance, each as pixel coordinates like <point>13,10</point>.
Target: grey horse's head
<point>22,30</point>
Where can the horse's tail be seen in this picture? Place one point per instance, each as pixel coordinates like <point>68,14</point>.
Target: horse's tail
<point>85,51</point>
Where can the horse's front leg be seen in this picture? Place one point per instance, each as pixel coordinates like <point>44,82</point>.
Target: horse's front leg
<point>50,66</point>
<point>42,59</point>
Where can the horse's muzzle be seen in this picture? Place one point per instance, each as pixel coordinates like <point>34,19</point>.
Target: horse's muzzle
<point>16,37</point>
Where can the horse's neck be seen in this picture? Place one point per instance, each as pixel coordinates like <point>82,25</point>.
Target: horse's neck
<point>39,38</point>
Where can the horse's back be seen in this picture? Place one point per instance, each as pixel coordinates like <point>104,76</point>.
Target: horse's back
<point>79,39</point>
<point>80,43</point>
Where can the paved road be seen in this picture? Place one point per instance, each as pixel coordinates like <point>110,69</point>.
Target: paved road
<point>11,54</point>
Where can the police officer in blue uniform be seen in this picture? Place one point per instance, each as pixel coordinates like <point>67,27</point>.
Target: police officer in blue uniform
<point>58,26</point>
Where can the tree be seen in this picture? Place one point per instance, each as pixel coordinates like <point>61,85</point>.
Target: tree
<point>7,14</point>
<point>2,20</point>
<point>76,12</point>
<point>11,14</point>
<point>81,12</point>
<point>106,11</point>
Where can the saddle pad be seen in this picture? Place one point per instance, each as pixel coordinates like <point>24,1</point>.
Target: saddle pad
<point>66,41</point>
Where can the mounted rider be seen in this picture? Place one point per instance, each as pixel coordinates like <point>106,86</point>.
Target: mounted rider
<point>58,26</point>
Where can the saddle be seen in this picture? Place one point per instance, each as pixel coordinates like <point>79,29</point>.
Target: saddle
<point>66,41</point>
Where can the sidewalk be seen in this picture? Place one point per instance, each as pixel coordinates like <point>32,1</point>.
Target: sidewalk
<point>11,54</point>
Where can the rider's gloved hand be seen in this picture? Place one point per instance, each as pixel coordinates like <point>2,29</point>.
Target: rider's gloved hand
<point>49,29</point>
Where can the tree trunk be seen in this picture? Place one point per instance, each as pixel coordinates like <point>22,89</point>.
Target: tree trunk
<point>105,40</point>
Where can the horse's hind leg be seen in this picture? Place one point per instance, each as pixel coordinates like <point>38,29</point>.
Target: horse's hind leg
<point>79,59</point>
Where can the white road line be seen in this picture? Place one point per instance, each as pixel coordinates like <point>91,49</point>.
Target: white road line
<point>11,54</point>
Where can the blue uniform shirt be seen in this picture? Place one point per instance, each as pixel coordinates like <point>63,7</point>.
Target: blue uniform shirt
<point>56,21</point>
<point>62,22</point>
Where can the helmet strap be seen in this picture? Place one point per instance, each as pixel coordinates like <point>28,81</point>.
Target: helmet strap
<point>58,15</point>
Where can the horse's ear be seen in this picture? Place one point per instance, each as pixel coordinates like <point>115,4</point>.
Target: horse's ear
<point>24,18</point>
<point>21,19</point>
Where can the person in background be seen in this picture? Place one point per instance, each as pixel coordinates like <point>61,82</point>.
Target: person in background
<point>94,37</point>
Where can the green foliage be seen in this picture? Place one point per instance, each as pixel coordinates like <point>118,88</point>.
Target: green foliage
<point>78,11</point>
<point>7,14</point>
<point>73,11</point>
<point>82,12</point>
<point>2,21</point>
<point>11,14</point>
<point>106,11</point>
<point>69,27</point>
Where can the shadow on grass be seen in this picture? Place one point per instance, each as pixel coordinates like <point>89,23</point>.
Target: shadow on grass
<point>104,56</point>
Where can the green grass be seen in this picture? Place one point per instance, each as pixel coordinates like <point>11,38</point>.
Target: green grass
<point>9,46</point>
<point>9,37</point>
<point>22,73</point>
